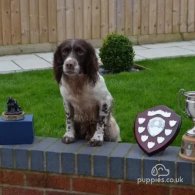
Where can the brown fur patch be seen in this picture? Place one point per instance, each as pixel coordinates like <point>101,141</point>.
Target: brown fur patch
<point>85,130</point>
<point>75,83</point>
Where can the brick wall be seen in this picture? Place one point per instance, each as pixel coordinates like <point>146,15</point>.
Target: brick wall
<point>49,167</point>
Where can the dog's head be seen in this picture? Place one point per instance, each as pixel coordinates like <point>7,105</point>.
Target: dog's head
<point>74,57</point>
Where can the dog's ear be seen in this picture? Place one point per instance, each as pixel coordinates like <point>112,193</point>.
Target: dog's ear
<point>58,64</point>
<point>92,65</point>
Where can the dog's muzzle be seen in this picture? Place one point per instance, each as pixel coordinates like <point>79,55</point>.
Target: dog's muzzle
<point>71,66</point>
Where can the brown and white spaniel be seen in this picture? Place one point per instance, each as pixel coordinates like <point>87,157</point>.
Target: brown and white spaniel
<point>87,101</point>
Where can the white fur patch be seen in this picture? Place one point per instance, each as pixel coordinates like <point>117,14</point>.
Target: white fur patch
<point>69,134</point>
<point>98,136</point>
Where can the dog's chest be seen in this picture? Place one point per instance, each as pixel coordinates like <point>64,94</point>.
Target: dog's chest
<point>85,105</point>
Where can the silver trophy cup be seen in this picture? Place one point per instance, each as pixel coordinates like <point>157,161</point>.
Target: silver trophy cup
<point>188,139</point>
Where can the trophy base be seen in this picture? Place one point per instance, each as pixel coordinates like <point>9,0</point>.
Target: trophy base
<point>12,117</point>
<point>17,132</point>
<point>187,151</point>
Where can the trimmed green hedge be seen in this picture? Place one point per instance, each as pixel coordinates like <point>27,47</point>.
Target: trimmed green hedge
<point>117,53</point>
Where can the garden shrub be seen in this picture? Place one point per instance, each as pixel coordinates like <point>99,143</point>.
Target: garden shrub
<point>117,53</point>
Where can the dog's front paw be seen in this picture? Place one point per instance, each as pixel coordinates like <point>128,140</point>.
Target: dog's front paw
<point>96,140</point>
<point>68,138</point>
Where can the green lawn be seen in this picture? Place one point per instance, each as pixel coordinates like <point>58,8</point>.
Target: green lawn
<point>38,93</point>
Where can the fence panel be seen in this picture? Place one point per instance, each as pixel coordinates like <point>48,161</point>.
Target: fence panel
<point>168,16</point>
<point>25,22</point>
<point>15,22</point>
<point>152,16</point>
<point>78,18</point>
<point>43,21</point>
<point>70,27</point>
<point>6,22</point>
<point>1,36</point>
<point>128,17</point>
<point>144,17</point>
<point>104,18</point>
<point>191,15</point>
<point>183,15</point>
<point>96,19</point>
<point>112,15</point>
<point>120,17</point>
<point>52,18</point>
<point>176,16</point>
<point>52,21</point>
<point>34,21</point>
<point>61,18</point>
<point>161,17</point>
<point>136,17</point>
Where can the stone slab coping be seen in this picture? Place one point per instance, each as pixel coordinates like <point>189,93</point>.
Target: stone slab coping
<point>124,161</point>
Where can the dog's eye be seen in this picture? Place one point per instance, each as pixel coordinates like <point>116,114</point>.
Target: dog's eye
<point>79,51</point>
<point>65,51</point>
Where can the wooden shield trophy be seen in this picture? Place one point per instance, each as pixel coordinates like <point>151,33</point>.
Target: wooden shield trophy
<point>156,128</point>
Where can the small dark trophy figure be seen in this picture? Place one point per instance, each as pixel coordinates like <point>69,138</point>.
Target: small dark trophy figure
<point>14,111</point>
<point>15,126</point>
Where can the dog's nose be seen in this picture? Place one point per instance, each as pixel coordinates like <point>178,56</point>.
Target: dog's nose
<point>70,66</point>
<point>70,63</point>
